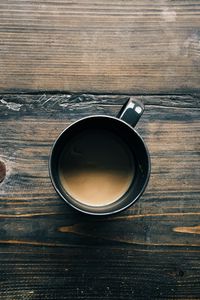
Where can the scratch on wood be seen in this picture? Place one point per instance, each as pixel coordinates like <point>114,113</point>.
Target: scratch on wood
<point>41,99</point>
<point>31,215</point>
<point>12,105</point>
<point>174,214</point>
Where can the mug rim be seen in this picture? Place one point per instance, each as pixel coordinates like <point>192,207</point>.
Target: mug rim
<point>92,212</point>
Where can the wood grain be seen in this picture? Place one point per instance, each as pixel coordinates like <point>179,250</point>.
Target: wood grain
<point>49,251</point>
<point>138,46</point>
<point>194,229</point>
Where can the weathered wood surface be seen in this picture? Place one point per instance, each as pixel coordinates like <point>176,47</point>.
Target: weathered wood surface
<point>138,46</point>
<point>150,251</point>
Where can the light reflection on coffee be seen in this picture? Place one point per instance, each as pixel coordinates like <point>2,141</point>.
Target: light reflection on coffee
<point>96,167</point>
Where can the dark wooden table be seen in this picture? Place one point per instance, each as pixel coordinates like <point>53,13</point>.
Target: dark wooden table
<point>60,61</point>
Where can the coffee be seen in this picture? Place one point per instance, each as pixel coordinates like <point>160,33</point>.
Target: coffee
<point>96,167</point>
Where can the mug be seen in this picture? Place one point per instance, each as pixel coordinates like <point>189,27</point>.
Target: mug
<point>122,127</point>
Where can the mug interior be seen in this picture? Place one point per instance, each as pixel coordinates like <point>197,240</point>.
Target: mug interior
<point>137,149</point>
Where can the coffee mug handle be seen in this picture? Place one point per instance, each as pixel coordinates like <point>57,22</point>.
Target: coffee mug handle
<point>131,111</point>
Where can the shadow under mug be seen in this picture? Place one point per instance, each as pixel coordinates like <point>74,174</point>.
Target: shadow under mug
<point>122,126</point>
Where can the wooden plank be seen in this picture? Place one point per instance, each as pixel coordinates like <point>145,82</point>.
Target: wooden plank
<point>98,273</point>
<point>129,47</point>
<point>48,251</point>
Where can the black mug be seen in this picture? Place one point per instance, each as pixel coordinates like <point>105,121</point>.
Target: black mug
<point>122,127</point>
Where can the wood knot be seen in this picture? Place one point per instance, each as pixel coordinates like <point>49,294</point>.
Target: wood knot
<point>180,273</point>
<point>2,171</point>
